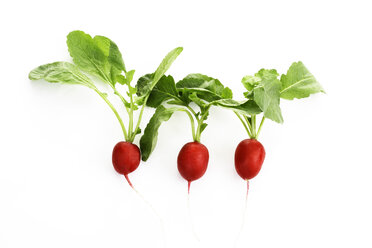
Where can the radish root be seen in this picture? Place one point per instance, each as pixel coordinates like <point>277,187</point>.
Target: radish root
<point>130,183</point>
<point>190,214</point>
<point>153,210</point>
<point>244,216</point>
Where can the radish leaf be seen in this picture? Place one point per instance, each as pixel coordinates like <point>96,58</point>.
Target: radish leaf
<point>111,51</point>
<point>150,136</point>
<point>61,72</point>
<point>265,89</point>
<point>146,83</point>
<point>165,89</point>
<point>207,88</point>
<point>248,107</point>
<point>267,94</point>
<point>165,64</point>
<point>98,56</point>
<point>198,101</point>
<point>298,82</point>
<point>250,82</point>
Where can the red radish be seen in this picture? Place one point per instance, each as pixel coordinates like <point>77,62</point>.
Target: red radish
<point>192,161</point>
<point>249,157</point>
<point>126,158</point>
<point>265,90</point>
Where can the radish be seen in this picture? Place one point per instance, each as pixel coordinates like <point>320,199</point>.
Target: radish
<point>249,157</point>
<point>192,161</point>
<point>195,90</point>
<point>126,157</point>
<point>99,57</point>
<point>264,91</point>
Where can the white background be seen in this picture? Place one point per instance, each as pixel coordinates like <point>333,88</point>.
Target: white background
<point>57,184</point>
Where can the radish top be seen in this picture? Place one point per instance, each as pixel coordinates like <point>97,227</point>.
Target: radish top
<point>193,95</point>
<point>266,89</point>
<point>99,57</point>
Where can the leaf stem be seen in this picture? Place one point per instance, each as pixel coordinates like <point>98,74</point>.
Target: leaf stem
<point>140,117</point>
<point>116,92</point>
<point>245,125</point>
<point>198,133</point>
<point>259,128</point>
<point>192,111</point>
<point>192,123</point>
<point>253,120</point>
<point>130,128</point>
<point>200,123</point>
<point>248,123</point>
<point>115,112</point>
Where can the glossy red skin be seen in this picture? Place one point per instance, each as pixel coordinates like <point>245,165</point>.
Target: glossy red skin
<point>249,157</point>
<point>126,157</point>
<point>192,161</point>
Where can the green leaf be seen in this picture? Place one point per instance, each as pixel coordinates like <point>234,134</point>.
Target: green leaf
<point>131,90</point>
<point>201,103</point>
<point>249,95</point>
<point>250,82</point>
<point>176,102</point>
<point>143,84</point>
<point>129,76</point>
<point>138,131</point>
<point>298,83</point>
<point>226,93</point>
<point>207,88</point>
<point>165,89</point>
<point>248,107</point>
<point>87,55</point>
<point>121,79</point>
<point>61,72</point>
<point>98,56</point>
<point>267,94</point>
<point>150,136</point>
<point>111,51</point>
<point>146,83</point>
<point>203,126</point>
<point>166,63</point>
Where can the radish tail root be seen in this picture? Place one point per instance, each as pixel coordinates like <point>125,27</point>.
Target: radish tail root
<point>153,210</point>
<point>190,216</point>
<point>188,187</point>
<point>130,183</point>
<point>244,216</point>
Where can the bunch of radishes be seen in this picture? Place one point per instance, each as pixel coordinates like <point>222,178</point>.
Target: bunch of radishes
<point>99,58</point>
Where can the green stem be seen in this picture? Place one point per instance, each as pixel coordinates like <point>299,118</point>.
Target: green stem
<point>245,125</point>
<point>192,111</point>
<point>253,120</point>
<point>198,133</point>
<point>115,112</point>
<point>200,122</point>
<point>192,123</point>
<point>248,123</point>
<point>121,98</point>
<point>139,118</point>
<point>259,128</point>
<point>130,128</point>
<point>115,90</point>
